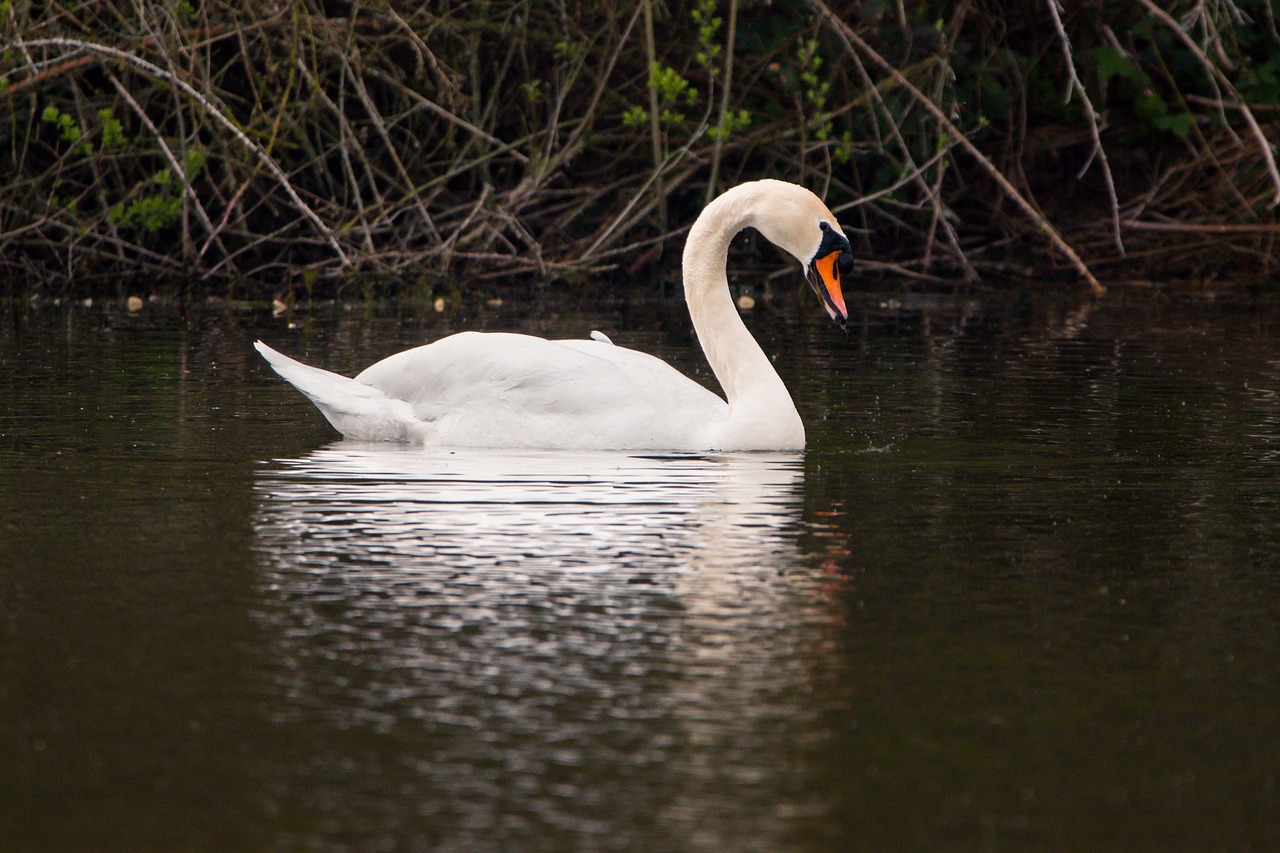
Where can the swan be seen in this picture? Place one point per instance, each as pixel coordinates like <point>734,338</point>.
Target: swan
<point>496,389</point>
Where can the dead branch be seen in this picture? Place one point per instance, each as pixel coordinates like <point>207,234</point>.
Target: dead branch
<point>854,42</point>
<point>211,109</point>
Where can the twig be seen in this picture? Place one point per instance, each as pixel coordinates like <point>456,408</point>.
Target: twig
<point>350,142</point>
<point>1218,74</point>
<point>655,127</point>
<point>371,110</point>
<point>659,201</point>
<point>1203,227</point>
<point>902,181</point>
<point>179,169</point>
<point>726,89</point>
<point>211,109</point>
<point>575,141</point>
<point>912,172</point>
<point>854,41</point>
<point>1092,117</point>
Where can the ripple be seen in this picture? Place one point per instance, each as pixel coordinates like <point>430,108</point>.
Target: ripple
<point>554,629</point>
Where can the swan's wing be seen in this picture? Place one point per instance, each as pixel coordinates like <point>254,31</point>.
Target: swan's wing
<point>496,389</point>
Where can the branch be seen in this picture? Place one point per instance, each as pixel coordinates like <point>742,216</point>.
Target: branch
<point>211,108</point>
<point>1092,116</point>
<point>855,43</point>
<point>725,92</point>
<point>1218,74</point>
<point>1203,227</point>
<point>179,169</point>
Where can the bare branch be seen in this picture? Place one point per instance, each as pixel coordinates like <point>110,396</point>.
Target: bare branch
<point>212,109</point>
<point>1091,116</point>
<point>1220,76</point>
<point>854,42</point>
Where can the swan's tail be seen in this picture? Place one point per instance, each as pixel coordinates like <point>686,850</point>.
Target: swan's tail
<point>355,409</point>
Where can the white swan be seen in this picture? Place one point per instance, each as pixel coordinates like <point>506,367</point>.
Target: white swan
<point>506,390</point>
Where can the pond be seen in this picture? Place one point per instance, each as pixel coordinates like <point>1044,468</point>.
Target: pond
<point>1021,591</point>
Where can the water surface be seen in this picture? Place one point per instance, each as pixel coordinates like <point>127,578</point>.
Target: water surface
<point>1020,591</point>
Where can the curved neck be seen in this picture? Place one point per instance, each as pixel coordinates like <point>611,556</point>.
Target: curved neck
<point>751,384</point>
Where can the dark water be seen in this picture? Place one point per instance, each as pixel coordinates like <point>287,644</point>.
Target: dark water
<point>1022,592</point>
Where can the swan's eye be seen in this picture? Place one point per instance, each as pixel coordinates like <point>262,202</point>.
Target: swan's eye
<point>834,242</point>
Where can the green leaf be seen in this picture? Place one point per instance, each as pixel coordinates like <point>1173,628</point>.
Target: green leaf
<point>1113,63</point>
<point>635,116</point>
<point>1150,108</point>
<point>1179,124</point>
<point>112,130</point>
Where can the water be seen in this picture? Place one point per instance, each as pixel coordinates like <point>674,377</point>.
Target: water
<point>1020,592</point>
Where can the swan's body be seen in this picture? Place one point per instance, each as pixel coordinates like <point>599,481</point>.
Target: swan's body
<point>477,389</point>
<point>506,390</point>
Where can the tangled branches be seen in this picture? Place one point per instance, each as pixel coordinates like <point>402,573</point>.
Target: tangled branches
<point>301,142</point>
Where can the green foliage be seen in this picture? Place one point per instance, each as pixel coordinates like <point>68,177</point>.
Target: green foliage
<point>68,128</point>
<point>815,88</point>
<point>303,139</point>
<point>1134,86</point>
<point>674,94</point>
<point>673,91</point>
<point>1110,63</point>
<point>149,213</point>
<point>161,207</point>
<point>709,24</point>
<point>1261,84</point>
<point>533,91</point>
<point>112,130</point>
<point>194,162</point>
<point>734,122</point>
<point>635,116</point>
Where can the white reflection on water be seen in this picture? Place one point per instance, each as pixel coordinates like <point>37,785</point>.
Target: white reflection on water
<point>591,647</point>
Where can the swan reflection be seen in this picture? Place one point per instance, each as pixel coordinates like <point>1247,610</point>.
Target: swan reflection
<point>551,641</point>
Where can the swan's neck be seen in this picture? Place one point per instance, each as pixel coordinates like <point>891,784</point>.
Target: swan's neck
<point>759,403</point>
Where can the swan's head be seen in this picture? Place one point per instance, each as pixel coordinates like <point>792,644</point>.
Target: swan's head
<point>832,260</point>
<point>796,220</point>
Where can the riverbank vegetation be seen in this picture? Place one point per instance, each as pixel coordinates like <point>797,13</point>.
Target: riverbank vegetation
<point>249,148</point>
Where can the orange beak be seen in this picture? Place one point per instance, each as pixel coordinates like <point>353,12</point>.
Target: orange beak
<point>824,277</point>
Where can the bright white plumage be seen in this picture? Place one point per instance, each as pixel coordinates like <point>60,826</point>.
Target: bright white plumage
<point>507,390</point>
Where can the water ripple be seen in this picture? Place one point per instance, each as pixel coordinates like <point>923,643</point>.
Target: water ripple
<point>549,630</point>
